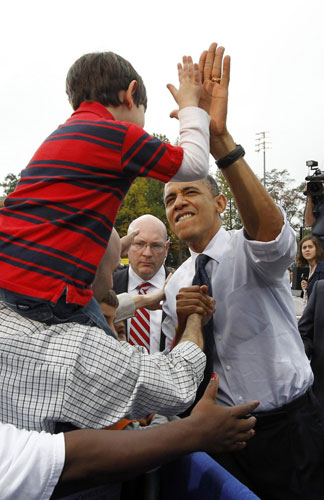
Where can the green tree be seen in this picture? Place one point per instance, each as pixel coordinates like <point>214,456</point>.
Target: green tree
<point>291,199</point>
<point>162,137</point>
<point>9,184</point>
<point>279,184</point>
<point>231,217</point>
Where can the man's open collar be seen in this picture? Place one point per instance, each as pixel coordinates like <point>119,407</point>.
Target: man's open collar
<point>216,247</point>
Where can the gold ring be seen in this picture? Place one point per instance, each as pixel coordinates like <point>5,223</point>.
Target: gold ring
<point>214,79</point>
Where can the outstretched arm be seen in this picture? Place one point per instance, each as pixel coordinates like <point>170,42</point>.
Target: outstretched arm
<point>103,455</point>
<point>260,216</point>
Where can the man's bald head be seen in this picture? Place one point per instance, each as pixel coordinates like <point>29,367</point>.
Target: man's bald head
<point>148,220</point>
<point>150,247</point>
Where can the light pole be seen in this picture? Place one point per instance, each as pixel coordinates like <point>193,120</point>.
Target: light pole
<point>262,143</point>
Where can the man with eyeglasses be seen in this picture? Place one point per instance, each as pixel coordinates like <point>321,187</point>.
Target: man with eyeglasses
<point>146,273</point>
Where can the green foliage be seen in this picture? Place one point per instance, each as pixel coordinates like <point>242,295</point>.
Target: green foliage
<point>279,186</point>
<point>231,217</point>
<point>162,137</point>
<point>291,199</point>
<point>9,184</point>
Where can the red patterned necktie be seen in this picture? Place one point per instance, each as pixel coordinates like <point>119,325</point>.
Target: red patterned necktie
<point>139,332</point>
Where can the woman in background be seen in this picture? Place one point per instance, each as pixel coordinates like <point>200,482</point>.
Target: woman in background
<point>311,254</point>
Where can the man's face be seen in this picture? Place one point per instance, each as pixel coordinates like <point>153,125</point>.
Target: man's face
<point>148,250</point>
<point>193,212</point>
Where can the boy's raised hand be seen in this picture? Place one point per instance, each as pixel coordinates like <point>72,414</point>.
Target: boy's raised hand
<point>190,85</point>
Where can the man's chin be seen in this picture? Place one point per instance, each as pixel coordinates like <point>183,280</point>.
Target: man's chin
<point>146,272</point>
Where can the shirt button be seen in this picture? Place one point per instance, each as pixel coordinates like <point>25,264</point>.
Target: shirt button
<point>228,367</point>
<point>219,337</point>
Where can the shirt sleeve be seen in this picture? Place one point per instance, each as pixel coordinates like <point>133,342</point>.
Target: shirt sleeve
<point>126,308</point>
<point>147,156</point>
<point>30,463</point>
<point>112,380</point>
<point>271,259</point>
<point>194,139</point>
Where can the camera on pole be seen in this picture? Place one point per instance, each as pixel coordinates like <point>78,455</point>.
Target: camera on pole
<point>314,188</point>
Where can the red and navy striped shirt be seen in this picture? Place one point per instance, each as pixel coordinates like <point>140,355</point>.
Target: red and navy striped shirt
<point>55,227</point>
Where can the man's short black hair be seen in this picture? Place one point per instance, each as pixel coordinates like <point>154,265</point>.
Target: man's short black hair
<point>99,76</point>
<point>212,185</point>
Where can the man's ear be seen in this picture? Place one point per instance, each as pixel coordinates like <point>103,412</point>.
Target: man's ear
<point>221,203</point>
<point>128,95</point>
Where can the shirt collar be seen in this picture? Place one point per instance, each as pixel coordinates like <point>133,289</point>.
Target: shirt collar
<point>216,247</point>
<point>95,108</point>
<point>134,280</point>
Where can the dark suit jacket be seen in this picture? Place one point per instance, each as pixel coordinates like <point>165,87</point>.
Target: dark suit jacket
<point>121,286</point>
<point>317,275</point>
<point>311,328</point>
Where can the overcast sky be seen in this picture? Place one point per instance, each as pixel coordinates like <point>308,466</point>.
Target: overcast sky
<point>277,80</point>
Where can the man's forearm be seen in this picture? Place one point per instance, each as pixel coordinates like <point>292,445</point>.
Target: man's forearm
<point>101,455</point>
<point>119,455</point>
<point>260,216</point>
<point>193,331</point>
<point>150,300</point>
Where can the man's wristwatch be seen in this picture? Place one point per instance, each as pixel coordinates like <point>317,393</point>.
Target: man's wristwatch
<point>231,157</point>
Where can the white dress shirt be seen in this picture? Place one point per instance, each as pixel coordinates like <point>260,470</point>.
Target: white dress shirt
<point>260,354</point>
<point>30,463</point>
<point>157,282</point>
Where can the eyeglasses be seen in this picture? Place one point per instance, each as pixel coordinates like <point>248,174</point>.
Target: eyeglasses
<point>154,247</point>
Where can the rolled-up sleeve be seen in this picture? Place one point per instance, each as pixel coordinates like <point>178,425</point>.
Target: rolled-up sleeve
<point>272,258</point>
<point>111,380</point>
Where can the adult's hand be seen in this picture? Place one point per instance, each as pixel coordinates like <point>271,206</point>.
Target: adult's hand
<point>126,242</point>
<point>215,75</point>
<point>223,428</point>
<point>194,299</point>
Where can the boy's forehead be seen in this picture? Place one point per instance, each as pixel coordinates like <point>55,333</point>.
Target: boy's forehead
<point>107,309</point>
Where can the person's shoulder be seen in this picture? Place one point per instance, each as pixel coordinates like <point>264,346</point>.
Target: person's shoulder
<point>318,286</point>
<point>121,272</point>
<point>320,266</point>
<point>120,280</point>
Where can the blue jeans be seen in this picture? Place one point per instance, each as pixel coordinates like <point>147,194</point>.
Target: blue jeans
<point>62,312</point>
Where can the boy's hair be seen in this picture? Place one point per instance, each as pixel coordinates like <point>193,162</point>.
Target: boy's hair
<point>111,299</point>
<point>99,76</point>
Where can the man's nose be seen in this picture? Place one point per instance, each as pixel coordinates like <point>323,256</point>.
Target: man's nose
<point>147,250</point>
<point>180,201</point>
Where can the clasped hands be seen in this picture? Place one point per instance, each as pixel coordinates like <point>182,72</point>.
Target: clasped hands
<point>193,300</point>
